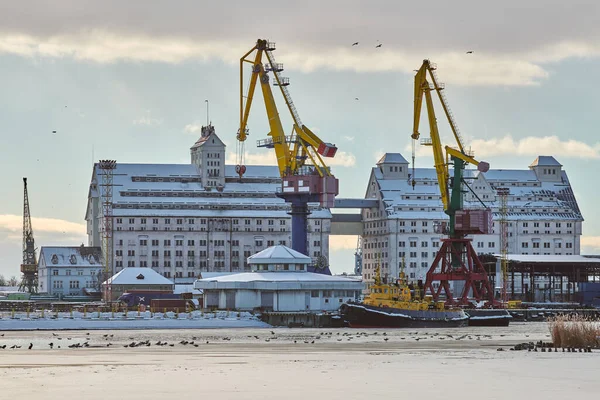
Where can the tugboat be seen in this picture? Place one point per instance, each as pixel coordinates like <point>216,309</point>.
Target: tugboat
<point>393,306</point>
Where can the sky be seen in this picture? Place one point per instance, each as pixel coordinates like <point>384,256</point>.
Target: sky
<point>128,81</point>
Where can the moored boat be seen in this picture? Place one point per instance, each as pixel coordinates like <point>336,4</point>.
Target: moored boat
<point>391,305</point>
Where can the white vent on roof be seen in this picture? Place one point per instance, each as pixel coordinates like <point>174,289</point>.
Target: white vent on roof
<point>91,259</point>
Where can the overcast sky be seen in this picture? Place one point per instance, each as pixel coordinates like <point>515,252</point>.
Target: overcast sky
<point>128,80</point>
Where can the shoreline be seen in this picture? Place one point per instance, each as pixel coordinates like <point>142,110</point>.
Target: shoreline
<point>292,363</point>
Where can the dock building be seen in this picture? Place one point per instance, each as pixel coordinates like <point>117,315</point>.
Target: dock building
<point>184,219</point>
<point>279,281</point>
<point>542,214</point>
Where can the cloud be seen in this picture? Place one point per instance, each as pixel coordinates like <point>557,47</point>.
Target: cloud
<point>11,228</point>
<point>342,242</point>
<point>349,138</point>
<point>262,158</point>
<point>527,146</point>
<point>108,47</point>
<point>504,54</point>
<point>534,146</point>
<point>590,245</point>
<point>267,157</point>
<point>378,154</point>
<point>341,159</point>
<point>192,128</point>
<point>148,121</point>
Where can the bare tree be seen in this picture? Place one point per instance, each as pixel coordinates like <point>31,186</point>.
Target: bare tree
<point>2,280</point>
<point>13,281</point>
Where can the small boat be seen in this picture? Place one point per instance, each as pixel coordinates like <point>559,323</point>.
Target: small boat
<point>391,305</point>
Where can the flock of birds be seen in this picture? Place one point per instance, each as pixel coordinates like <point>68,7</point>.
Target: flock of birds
<point>106,340</point>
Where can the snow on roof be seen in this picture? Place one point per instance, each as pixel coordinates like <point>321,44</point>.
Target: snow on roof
<point>279,281</point>
<point>516,175</point>
<point>71,256</point>
<point>527,258</point>
<point>138,276</point>
<point>176,189</point>
<point>392,158</point>
<point>545,161</point>
<point>279,255</point>
<point>186,288</point>
<point>529,197</point>
<point>278,276</point>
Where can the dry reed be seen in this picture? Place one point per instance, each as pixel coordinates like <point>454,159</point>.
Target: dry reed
<point>574,331</point>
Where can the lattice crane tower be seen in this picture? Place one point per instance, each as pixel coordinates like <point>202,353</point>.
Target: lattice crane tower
<point>107,168</point>
<point>503,197</point>
<point>29,281</point>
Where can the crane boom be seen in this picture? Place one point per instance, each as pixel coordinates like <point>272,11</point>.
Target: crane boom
<point>459,157</point>
<point>294,150</point>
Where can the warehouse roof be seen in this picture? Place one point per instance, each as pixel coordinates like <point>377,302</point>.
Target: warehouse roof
<point>71,256</point>
<point>392,158</point>
<point>530,197</point>
<point>176,189</point>
<point>278,280</point>
<point>545,161</point>
<point>138,276</point>
<point>278,255</point>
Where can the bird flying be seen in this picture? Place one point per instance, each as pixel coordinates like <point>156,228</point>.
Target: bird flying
<point>470,52</point>
<point>379,45</point>
<point>356,98</point>
<point>355,44</point>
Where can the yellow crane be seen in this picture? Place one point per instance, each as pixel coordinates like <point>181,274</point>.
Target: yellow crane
<point>291,151</point>
<point>305,176</point>
<point>456,260</point>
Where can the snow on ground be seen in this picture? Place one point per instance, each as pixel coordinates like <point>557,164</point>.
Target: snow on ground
<point>130,320</point>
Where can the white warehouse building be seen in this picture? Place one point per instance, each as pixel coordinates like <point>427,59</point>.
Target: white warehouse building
<point>184,219</point>
<point>542,214</point>
<point>279,282</point>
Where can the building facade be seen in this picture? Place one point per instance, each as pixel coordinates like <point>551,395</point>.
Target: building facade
<point>69,271</point>
<point>542,214</point>
<point>184,219</point>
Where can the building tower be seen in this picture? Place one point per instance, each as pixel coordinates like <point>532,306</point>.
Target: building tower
<point>29,282</point>
<point>503,197</point>
<point>107,168</point>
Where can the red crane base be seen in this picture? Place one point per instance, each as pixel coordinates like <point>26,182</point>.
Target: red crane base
<point>467,268</point>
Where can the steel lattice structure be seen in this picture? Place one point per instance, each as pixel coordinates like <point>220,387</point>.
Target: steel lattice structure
<point>107,168</point>
<point>503,197</point>
<point>29,281</point>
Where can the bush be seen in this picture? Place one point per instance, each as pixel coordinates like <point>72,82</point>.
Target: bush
<point>574,331</point>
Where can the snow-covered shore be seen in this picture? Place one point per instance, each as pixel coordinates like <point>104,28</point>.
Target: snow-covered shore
<point>130,320</point>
